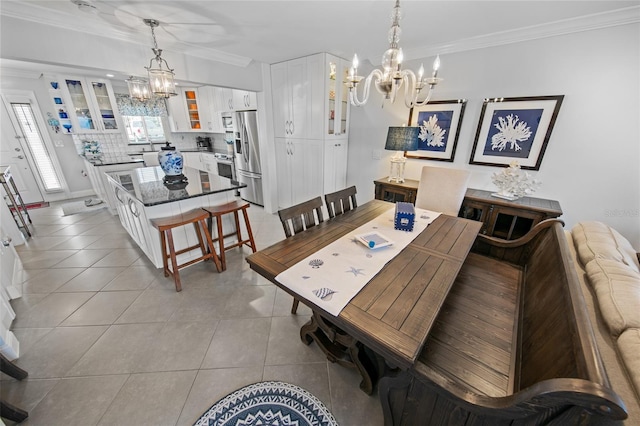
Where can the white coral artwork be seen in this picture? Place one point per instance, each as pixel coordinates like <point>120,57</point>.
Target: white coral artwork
<point>511,131</point>
<point>431,133</point>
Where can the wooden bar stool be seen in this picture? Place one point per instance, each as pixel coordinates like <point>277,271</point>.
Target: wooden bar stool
<point>232,207</point>
<point>198,218</point>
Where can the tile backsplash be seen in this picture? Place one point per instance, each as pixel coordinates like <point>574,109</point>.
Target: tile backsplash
<point>115,144</point>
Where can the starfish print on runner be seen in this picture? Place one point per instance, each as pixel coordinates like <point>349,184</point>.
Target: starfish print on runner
<point>355,271</point>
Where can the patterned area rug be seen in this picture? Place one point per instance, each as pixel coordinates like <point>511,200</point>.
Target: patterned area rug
<point>268,404</point>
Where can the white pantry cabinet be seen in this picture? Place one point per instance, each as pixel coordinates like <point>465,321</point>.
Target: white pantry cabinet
<point>310,107</point>
<point>88,103</point>
<point>299,170</point>
<point>294,89</point>
<point>335,164</point>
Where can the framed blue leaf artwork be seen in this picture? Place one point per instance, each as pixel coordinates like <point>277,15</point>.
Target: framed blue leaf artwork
<point>515,129</point>
<point>439,123</point>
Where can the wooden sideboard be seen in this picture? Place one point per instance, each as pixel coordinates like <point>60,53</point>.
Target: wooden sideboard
<point>504,219</point>
<point>396,192</point>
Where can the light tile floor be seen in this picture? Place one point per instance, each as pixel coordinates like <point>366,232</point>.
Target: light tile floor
<point>107,340</point>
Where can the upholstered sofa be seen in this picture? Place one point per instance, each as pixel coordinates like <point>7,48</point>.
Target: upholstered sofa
<point>609,272</point>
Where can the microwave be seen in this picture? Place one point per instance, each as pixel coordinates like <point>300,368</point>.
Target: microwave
<point>227,122</point>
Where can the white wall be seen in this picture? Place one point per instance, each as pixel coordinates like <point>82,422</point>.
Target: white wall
<point>592,163</point>
<point>71,164</point>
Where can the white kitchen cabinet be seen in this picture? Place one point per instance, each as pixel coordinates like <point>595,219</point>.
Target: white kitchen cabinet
<point>133,218</point>
<point>244,100</point>
<point>185,110</point>
<point>192,160</point>
<point>299,171</point>
<point>205,161</point>
<point>209,163</point>
<point>335,165</point>
<point>337,107</point>
<point>89,103</point>
<point>177,113</point>
<point>210,114</point>
<point>224,99</point>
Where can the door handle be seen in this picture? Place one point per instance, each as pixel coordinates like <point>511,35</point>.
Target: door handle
<point>20,157</point>
<point>6,241</point>
<point>16,149</point>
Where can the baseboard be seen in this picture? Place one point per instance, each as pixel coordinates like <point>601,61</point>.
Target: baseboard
<point>70,195</point>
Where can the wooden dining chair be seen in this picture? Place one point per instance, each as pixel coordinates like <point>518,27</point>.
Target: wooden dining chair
<point>442,189</point>
<point>341,201</point>
<point>298,218</point>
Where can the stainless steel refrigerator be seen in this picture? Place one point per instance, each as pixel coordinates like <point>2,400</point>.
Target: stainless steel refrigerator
<point>247,156</point>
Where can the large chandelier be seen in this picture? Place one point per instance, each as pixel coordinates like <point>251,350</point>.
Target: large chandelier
<point>390,79</point>
<point>138,88</point>
<point>160,79</point>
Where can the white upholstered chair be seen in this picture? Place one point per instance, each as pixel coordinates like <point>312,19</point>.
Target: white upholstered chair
<point>442,189</point>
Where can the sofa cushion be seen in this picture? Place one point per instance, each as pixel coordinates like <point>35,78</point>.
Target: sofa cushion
<point>629,348</point>
<point>617,288</point>
<point>597,240</point>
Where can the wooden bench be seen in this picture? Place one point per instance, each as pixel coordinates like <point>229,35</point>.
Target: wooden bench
<point>512,345</point>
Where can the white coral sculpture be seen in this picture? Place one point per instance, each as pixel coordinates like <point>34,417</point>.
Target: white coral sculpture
<point>431,132</point>
<point>513,182</point>
<point>512,131</point>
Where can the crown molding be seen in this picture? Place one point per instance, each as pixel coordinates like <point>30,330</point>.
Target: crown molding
<point>20,73</point>
<point>625,16</point>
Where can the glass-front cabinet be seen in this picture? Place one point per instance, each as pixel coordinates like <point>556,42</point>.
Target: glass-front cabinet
<point>106,104</point>
<point>191,99</point>
<point>337,95</point>
<point>92,105</point>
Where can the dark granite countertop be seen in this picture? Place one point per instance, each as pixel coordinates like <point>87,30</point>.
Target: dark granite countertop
<point>147,185</point>
<point>112,159</point>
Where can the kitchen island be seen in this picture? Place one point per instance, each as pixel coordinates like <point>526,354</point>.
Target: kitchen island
<point>142,195</point>
<point>97,166</point>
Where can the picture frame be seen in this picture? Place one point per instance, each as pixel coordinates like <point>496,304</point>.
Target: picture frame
<point>439,123</point>
<point>515,129</point>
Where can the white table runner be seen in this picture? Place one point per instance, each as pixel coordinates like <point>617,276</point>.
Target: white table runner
<point>332,276</point>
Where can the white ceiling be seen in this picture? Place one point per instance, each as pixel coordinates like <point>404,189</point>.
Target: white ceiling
<point>239,31</point>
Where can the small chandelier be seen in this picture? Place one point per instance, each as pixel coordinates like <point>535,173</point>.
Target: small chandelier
<point>138,88</point>
<point>160,79</point>
<point>390,79</point>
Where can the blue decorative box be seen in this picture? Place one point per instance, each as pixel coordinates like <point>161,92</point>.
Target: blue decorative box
<point>405,216</point>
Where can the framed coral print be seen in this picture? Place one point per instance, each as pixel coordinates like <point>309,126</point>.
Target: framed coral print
<point>515,129</point>
<point>439,123</point>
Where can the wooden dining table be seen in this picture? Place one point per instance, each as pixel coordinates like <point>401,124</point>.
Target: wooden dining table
<point>393,314</point>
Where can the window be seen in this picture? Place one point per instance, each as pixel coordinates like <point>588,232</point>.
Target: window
<point>35,143</point>
<point>144,129</point>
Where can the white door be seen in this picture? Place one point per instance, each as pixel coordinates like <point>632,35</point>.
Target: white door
<point>12,154</point>
<point>30,130</point>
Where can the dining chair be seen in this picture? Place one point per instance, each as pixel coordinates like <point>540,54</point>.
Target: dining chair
<point>442,189</point>
<point>298,218</point>
<point>341,201</point>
